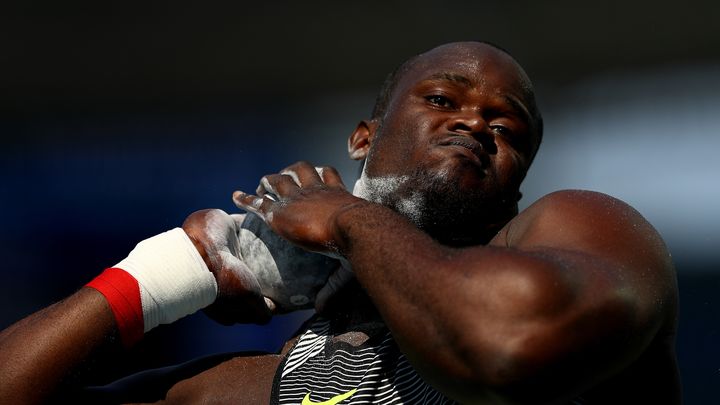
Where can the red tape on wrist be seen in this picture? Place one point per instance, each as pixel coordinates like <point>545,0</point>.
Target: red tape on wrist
<point>123,294</point>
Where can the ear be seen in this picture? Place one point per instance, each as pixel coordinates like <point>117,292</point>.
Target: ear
<point>360,140</point>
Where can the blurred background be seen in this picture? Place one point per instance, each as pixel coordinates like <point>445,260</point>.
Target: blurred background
<point>120,119</point>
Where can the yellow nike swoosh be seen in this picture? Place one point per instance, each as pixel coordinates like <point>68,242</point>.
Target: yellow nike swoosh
<point>332,401</point>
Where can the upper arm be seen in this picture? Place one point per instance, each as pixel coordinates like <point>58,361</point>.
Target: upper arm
<point>593,237</point>
<point>603,288</point>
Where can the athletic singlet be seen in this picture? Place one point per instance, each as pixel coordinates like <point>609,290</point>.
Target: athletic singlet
<point>320,370</point>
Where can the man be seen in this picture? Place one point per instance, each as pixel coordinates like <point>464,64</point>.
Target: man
<point>456,296</point>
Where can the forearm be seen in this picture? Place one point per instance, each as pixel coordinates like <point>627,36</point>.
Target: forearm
<point>425,297</point>
<point>39,353</point>
<point>554,303</point>
<point>473,321</point>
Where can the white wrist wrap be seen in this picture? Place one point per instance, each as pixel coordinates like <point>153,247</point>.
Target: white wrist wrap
<point>173,278</point>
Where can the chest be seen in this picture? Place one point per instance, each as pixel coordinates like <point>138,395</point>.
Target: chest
<point>347,368</point>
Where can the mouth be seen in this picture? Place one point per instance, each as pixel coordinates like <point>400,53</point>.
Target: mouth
<point>467,147</point>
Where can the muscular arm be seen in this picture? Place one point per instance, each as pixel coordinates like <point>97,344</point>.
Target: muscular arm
<point>39,353</point>
<point>567,294</point>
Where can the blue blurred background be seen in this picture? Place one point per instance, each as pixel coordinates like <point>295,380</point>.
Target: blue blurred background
<point>119,119</point>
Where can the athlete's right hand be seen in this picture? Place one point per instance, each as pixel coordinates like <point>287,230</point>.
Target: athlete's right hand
<point>215,234</point>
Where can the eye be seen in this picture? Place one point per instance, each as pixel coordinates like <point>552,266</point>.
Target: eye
<point>512,136</point>
<point>501,130</point>
<point>439,101</point>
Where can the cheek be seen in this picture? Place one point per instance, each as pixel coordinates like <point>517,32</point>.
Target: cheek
<point>509,166</point>
<point>388,155</point>
<point>402,141</point>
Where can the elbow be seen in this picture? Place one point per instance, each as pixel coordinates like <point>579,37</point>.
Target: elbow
<point>556,362</point>
<point>509,366</point>
<point>548,360</point>
<point>540,340</point>
<point>518,370</point>
<point>499,369</point>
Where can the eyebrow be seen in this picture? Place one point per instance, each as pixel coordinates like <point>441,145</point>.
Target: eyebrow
<point>453,77</point>
<point>515,104</point>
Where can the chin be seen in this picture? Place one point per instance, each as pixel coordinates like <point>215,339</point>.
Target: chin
<point>458,231</point>
<point>458,213</point>
<point>463,209</point>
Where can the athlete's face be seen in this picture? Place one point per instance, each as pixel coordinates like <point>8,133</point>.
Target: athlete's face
<point>457,137</point>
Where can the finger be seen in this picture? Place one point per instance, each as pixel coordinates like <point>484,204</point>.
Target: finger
<point>303,173</point>
<point>263,194</point>
<point>293,175</point>
<point>242,288</point>
<point>265,188</point>
<point>270,305</point>
<point>330,176</point>
<point>276,185</point>
<point>252,203</point>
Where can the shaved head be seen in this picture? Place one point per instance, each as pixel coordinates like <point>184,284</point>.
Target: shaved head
<point>395,77</point>
<point>452,135</point>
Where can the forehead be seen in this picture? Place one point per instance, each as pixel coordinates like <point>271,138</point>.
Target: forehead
<point>483,65</point>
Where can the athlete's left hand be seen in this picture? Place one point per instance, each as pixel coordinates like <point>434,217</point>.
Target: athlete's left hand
<point>301,204</point>
<point>215,235</point>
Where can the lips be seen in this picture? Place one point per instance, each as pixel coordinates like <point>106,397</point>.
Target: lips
<point>468,147</point>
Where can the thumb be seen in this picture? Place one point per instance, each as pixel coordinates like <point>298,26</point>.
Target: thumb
<point>239,297</point>
<point>238,219</point>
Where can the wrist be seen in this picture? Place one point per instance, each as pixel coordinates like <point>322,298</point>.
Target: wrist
<point>200,248</point>
<point>174,279</point>
<point>348,217</point>
<point>162,280</point>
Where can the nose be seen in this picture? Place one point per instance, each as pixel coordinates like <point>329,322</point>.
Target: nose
<point>468,123</point>
<point>472,124</point>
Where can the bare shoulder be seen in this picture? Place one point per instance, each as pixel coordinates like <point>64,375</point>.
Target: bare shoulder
<point>592,222</point>
<point>605,234</point>
<point>618,270</point>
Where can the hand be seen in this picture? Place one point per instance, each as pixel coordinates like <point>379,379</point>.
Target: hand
<point>215,234</point>
<point>301,204</point>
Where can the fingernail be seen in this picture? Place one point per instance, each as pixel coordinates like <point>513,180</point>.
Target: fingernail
<point>270,304</point>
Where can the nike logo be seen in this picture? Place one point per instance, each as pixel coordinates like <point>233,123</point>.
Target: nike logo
<point>332,401</point>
